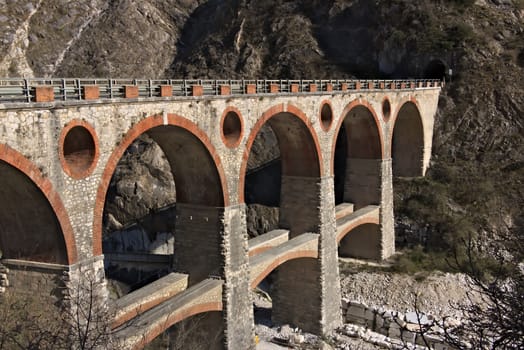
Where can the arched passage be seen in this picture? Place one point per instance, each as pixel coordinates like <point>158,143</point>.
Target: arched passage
<point>301,167</point>
<point>34,225</point>
<point>358,168</point>
<point>363,241</point>
<point>200,187</point>
<point>298,206</point>
<point>357,156</point>
<point>408,142</point>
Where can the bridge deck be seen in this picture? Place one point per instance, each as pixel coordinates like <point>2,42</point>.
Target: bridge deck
<point>303,246</point>
<point>202,297</point>
<point>143,299</point>
<point>266,241</point>
<point>367,215</point>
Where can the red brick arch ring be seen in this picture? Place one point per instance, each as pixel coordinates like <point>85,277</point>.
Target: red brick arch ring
<point>78,172</point>
<point>292,255</point>
<point>368,219</point>
<point>266,116</point>
<point>174,318</point>
<point>17,160</point>
<point>345,112</point>
<point>410,99</point>
<point>132,135</point>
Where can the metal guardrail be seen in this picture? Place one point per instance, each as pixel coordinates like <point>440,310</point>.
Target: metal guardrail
<point>15,90</point>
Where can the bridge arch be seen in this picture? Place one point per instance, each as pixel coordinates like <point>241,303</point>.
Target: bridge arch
<point>407,140</point>
<point>357,150</point>
<point>362,241</point>
<point>176,317</point>
<point>43,229</point>
<point>365,220</point>
<point>300,152</point>
<point>280,260</point>
<point>173,135</point>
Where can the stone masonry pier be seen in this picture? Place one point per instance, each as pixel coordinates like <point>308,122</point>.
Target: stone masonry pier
<point>340,142</point>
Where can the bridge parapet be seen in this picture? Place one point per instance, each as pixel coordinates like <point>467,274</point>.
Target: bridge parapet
<point>27,91</point>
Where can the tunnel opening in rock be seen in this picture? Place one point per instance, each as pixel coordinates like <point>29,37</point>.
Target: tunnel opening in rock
<point>435,69</point>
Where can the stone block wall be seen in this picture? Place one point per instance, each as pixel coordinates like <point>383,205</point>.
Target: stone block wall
<point>296,295</point>
<point>198,242</point>
<point>395,329</point>
<point>362,182</point>
<point>299,204</point>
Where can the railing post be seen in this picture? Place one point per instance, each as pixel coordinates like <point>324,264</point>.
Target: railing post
<point>150,88</point>
<point>64,93</point>
<point>27,92</point>
<point>110,88</point>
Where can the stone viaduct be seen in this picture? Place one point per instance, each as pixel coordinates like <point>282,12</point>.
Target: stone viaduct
<point>61,141</point>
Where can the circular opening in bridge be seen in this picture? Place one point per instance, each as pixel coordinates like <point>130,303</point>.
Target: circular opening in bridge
<point>231,128</point>
<point>78,149</point>
<point>435,69</point>
<point>386,109</point>
<point>326,116</point>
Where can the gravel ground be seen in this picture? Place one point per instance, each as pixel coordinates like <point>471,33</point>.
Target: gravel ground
<point>436,294</point>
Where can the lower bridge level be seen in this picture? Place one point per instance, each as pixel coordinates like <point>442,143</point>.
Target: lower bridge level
<point>149,311</point>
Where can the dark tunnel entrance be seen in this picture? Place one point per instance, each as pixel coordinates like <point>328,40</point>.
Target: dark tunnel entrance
<point>435,69</point>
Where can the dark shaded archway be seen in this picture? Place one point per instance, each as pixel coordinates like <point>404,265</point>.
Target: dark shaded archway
<point>298,206</point>
<point>299,168</point>
<point>29,228</point>
<point>194,221</point>
<point>357,155</point>
<point>408,142</point>
<point>435,69</point>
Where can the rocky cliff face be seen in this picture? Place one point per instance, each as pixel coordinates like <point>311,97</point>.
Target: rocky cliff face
<point>478,163</point>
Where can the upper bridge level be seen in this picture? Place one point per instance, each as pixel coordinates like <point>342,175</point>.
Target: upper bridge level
<point>340,143</point>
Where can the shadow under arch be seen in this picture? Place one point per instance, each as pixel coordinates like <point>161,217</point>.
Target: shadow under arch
<point>357,152</point>
<point>298,142</point>
<point>407,141</point>
<point>363,241</point>
<point>34,222</point>
<point>198,172</point>
<point>299,208</point>
<point>210,316</point>
<point>300,254</point>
